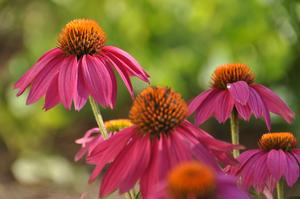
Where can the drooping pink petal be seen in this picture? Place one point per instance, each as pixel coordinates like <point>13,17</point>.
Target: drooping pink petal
<point>52,96</point>
<point>224,106</point>
<point>28,77</point>
<point>81,94</point>
<point>98,80</point>
<point>67,80</point>
<point>206,109</point>
<point>277,163</point>
<point>258,107</point>
<point>244,158</point>
<point>123,73</point>
<point>247,172</point>
<point>197,101</point>
<point>239,91</point>
<point>141,156</point>
<point>244,111</point>
<point>260,173</point>
<point>129,61</point>
<point>160,163</point>
<point>42,81</point>
<point>274,103</point>
<point>292,171</point>
<point>124,163</point>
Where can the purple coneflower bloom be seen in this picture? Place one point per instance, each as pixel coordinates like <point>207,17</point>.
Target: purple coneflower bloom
<point>233,88</point>
<point>276,158</point>
<point>194,180</point>
<point>159,138</point>
<point>81,66</point>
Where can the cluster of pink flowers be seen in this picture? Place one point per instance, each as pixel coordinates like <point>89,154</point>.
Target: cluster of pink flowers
<point>157,148</point>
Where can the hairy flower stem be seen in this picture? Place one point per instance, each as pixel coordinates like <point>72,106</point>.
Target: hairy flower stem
<point>280,191</point>
<point>234,125</point>
<point>98,118</point>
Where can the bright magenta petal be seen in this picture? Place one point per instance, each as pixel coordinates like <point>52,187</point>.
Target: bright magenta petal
<point>239,91</point>
<point>277,163</point>
<point>67,80</point>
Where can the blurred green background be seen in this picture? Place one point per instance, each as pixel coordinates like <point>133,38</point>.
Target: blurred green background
<point>178,42</point>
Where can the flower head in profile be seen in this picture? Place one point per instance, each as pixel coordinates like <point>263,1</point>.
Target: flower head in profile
<point>81,66</point>
<point>194,180</point>
<point>159,139</point>
<point>233,89</point>
<point>92,137</point>
<point>277,158</point>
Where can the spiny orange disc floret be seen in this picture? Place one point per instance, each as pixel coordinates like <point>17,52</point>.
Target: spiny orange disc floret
<point>230,73</point>
<point>279,140</point>
<point>158,110</point>
<point>117,125</point>
<point>81,36</point>
<point>191,180</point>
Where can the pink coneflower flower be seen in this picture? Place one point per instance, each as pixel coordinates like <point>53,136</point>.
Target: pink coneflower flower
<point>92,137</point>
<point>276,158</point>
<point>233,89</point>
<point>194,180</point>
<point>81,66</point>
<point>159,139</point>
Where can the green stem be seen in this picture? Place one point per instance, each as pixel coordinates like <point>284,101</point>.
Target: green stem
<point>234,124</point>
<point>98,117</point>
<point>280,189</point>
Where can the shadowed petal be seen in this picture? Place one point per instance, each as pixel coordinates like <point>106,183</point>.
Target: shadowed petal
<point>206,109</point>
<point>28,77</point>
<point>81,94</point>
<point>239,91</point>
<point>227,189</point>
<point>224,106</point>
<point>244,111</point>
<point>292,171</point>
<point>97,78</point>
<point>258,107</point>
<point>52,96</point>
<point>274,103</point>
<point>197,101</point>
<point>67,80</point>
<point>277,163</point>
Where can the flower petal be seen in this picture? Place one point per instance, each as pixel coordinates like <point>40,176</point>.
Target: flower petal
<point>197,101</point>
<point>224,106</point>
<point>207,107</point>
<point>128,61</point>
<point>292,171</point>
<point>274,103</point>
<point>81,94</point>
<point>98,80</point>
<point>239,91</point>
<point>67,80</point>
<point>244,111</point>
<point>52,96</point>
<point>123,73</point>
<point>258,107</point>
<point>277,163</point>
<point>28,77</point>
<point>125,163</point>
<point>42,81</point>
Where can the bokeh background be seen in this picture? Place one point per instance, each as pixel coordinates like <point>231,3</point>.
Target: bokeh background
<point>178,42</point>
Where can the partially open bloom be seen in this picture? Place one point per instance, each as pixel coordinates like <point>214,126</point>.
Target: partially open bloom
<point>92,137</point>
<point>194,180</point>
<point>276,158</point>
<point>159,138</point>
<point>233,88</point>
<point>81,66</point>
